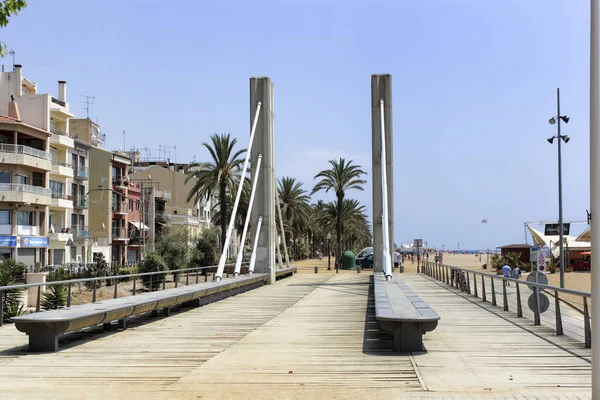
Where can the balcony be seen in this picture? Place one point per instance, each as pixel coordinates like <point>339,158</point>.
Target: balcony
<point>61,139</point>
<point>79,202</point>
<point>62,169</point>
<point>121,207</point>
<point>17,193</point>
<point>119,233</point>
<point>97,138</point>
<point>25,155</point>
<point>81,173</point>
<point>81,231</point>
<point>28,230</point>
<point>162,216</point>
<point>59,235</point>
<point>121,181</point>
<point>58,109</point>
<point>61,200</point>
<point>162,194</point>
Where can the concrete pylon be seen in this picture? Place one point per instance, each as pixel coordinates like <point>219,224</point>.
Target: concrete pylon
<point>381,89</point>
<point>261,89</point>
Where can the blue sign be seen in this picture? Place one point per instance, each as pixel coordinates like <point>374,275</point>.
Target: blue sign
<point>29,241</point>
<point>8,241</point>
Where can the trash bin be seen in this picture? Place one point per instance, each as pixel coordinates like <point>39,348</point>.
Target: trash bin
<point>348,260</point>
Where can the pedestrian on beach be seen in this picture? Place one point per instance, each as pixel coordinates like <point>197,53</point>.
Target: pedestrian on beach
<point>506,271</point>
<point>516,272</point>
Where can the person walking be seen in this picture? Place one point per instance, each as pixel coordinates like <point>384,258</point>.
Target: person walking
<point>506,271</point>
<point>516,272</point>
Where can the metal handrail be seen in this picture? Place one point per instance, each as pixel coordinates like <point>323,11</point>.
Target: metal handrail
<point>450,275</point>
<point>115,280</point>
<point>62,164</point>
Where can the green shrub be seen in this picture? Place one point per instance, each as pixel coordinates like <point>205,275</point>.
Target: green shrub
<point>152,262</point>
<point>127,271</point>
<point>207,246</point>
<point>98,268</point>
<point>15,268</point>
<point>11,303</point>
<point>55,297</point>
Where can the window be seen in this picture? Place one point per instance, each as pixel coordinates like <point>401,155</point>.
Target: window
<point>74,159</point>
<point>115,173</point>
<point>39,179</point>
<point>74,190</point>
<point>5,180</point>
<point>82,220</point>
<point>115,201</point>
<point>81,191</point>
<point>25,218</point>
<point>57,187</point>
<point>81,163</point>
<point>4,217</point>
<point>73,220</point>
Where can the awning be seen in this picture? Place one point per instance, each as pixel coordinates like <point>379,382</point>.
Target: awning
<point>139,225</point>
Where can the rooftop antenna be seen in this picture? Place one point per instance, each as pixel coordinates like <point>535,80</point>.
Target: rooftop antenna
<point>12,53</point>
<point>88,100</point>
<point>124,140</point>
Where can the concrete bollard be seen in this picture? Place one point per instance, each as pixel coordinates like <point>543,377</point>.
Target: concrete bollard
<point>316,269</point>
<point>401,268</point>
<point>358,269</point>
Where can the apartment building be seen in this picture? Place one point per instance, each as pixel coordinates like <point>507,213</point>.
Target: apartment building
<point>49,228</point>
<point>80,248</point>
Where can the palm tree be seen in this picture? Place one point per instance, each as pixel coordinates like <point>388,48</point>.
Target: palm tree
<point>294,207</point>
<point>342,176</point>
<point>242,209</point>
<point>355,222</point>
<point>220,175</point>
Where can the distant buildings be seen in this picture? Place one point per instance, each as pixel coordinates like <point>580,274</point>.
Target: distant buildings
<point>64,198</point>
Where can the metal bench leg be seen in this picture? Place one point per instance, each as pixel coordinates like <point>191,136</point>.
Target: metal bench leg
<point>154,313</point>
<point>123,323</point>
<point>106,326</point>
<point>167,311</point>
<point>408,337</point>
<point>42,342</point>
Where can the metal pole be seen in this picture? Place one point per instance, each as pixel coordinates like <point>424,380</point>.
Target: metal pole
<point>240,256</point>
<point>387,262</point>
<point>560,208</point>
<point>223,258</point>
<point>253,256</point>
<point>595,189</point>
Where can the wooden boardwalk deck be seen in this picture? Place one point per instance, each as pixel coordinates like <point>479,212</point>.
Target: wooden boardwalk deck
<point>310,336</point>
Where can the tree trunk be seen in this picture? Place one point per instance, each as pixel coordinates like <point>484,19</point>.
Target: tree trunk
<point>338,253</point>
<point>223,205</point>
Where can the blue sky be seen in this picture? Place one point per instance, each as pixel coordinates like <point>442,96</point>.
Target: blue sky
<point>474,86</point>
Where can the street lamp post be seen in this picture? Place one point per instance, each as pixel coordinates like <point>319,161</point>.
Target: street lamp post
<point>566,139</point>
<point>328,252</point>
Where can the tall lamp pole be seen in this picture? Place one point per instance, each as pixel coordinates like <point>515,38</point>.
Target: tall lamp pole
<point>595,188</point>
<point>556,120</point>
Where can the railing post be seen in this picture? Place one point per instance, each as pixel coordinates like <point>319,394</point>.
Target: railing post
<point>586,324</point>
<point>475,284</point>
<point>94,292</point>
<point>468,283</point>
<point>151,283</point>
<point>483,293</point>
<point>134,285</point>
<point>39,297</point>
<point>69,295</point>
<point>537,318</point>
<point>165,280</point>
<point>115,295</point>
<point>559,326</point>
<point>197,276</point>
<point>504,295</point>
<point>493,293</point>
<point>187,278</point>
<point>519,306</point>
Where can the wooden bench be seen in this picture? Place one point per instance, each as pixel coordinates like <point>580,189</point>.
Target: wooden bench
<point>284,272</point>
<point>44,328</point>
<point>402,313</point>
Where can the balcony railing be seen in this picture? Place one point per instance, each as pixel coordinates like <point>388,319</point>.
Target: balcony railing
<point>79,202</point>
<point>81,231</point>
<point>25,188</point>
<point>81,172</point>
<point>59,102</point>
<point>119,233</point>
<point>28,230</point>
<point>19,149</point>
<point>62,164</point>
<point>63,133</point>
<point>63,196</point>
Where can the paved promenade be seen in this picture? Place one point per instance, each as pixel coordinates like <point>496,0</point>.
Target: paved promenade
<point>310,336</point>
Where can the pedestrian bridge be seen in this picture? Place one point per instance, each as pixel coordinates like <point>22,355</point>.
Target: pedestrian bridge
<point>310,336</point>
